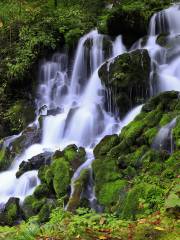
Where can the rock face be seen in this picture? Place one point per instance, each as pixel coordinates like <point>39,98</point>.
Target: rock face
<point>31,135</point>
<point>127,80</point>
<point>131,178</point>
<point>35,163</point>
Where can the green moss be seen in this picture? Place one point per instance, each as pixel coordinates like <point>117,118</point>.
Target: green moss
<point>106,144</point>
<point>2,159</point>
<point>46,175</point>
<point>166,118</point>
<point>176,134</point>
<point>45,211</point>
<point>11,214</point>
<point>152,119</point>
<point>32,206</point>
<point>61,176</point>
<point>173,163</point>
<point>142,199</point>
<point>150,135</point>
<point>70,152</point>
<point>42,191</point>
<point>5,159</point>
<point>109,193</point>
<point>132,131</point>
<point>172,204</point>
<point>122,77</point>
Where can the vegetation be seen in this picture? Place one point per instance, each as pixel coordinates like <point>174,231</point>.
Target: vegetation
<point>86,224</point>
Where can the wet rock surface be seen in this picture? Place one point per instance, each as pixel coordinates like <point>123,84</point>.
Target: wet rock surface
<point>126,78</point>
<point>34,163</point>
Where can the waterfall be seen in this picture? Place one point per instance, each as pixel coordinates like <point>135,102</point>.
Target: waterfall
<point>71,97</point>
<point>165,59</point>
<point>71,103</point>
<point>164,139</point>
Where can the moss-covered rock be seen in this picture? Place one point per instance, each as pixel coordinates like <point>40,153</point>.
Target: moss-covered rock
<point>127,78</point>
<point>11,213</point>
<point>46,210</point>
<point>79,187</point>
<point>5,158</point>
<point>42,191</point>
<point>55,173</point>
<point>35,163</point>
<point>31,135</point>
<point>131,177</point>
<point>61,176</point>
<point>32,205</point>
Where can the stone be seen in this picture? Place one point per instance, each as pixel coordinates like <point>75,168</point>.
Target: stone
<point>126,79</point>
<point>34,163</point>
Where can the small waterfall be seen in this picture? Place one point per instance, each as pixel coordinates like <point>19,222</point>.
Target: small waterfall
<point>164,138</point>
<point>165,59</point>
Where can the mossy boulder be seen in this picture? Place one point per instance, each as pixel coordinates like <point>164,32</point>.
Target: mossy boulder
<point>140,200</point>
<point>42,191</point>
<point>44,213</point>
<point>61,176</point>
<point>11,213</point>
<point>55,172</point>
<point>127,79</point>
<point>32,206</point>
<point>75,156</point>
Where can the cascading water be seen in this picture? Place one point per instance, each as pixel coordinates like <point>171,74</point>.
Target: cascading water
<point>165,26</point>
<point>164,139</point>
<point>72,109</point>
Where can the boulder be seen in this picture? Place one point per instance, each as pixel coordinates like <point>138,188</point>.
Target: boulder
<point>126,79</point>
<point>11,213</point>
<point>31,135</point>
<point>34,163</point>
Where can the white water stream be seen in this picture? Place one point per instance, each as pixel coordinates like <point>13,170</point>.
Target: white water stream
<point>77,99</point>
